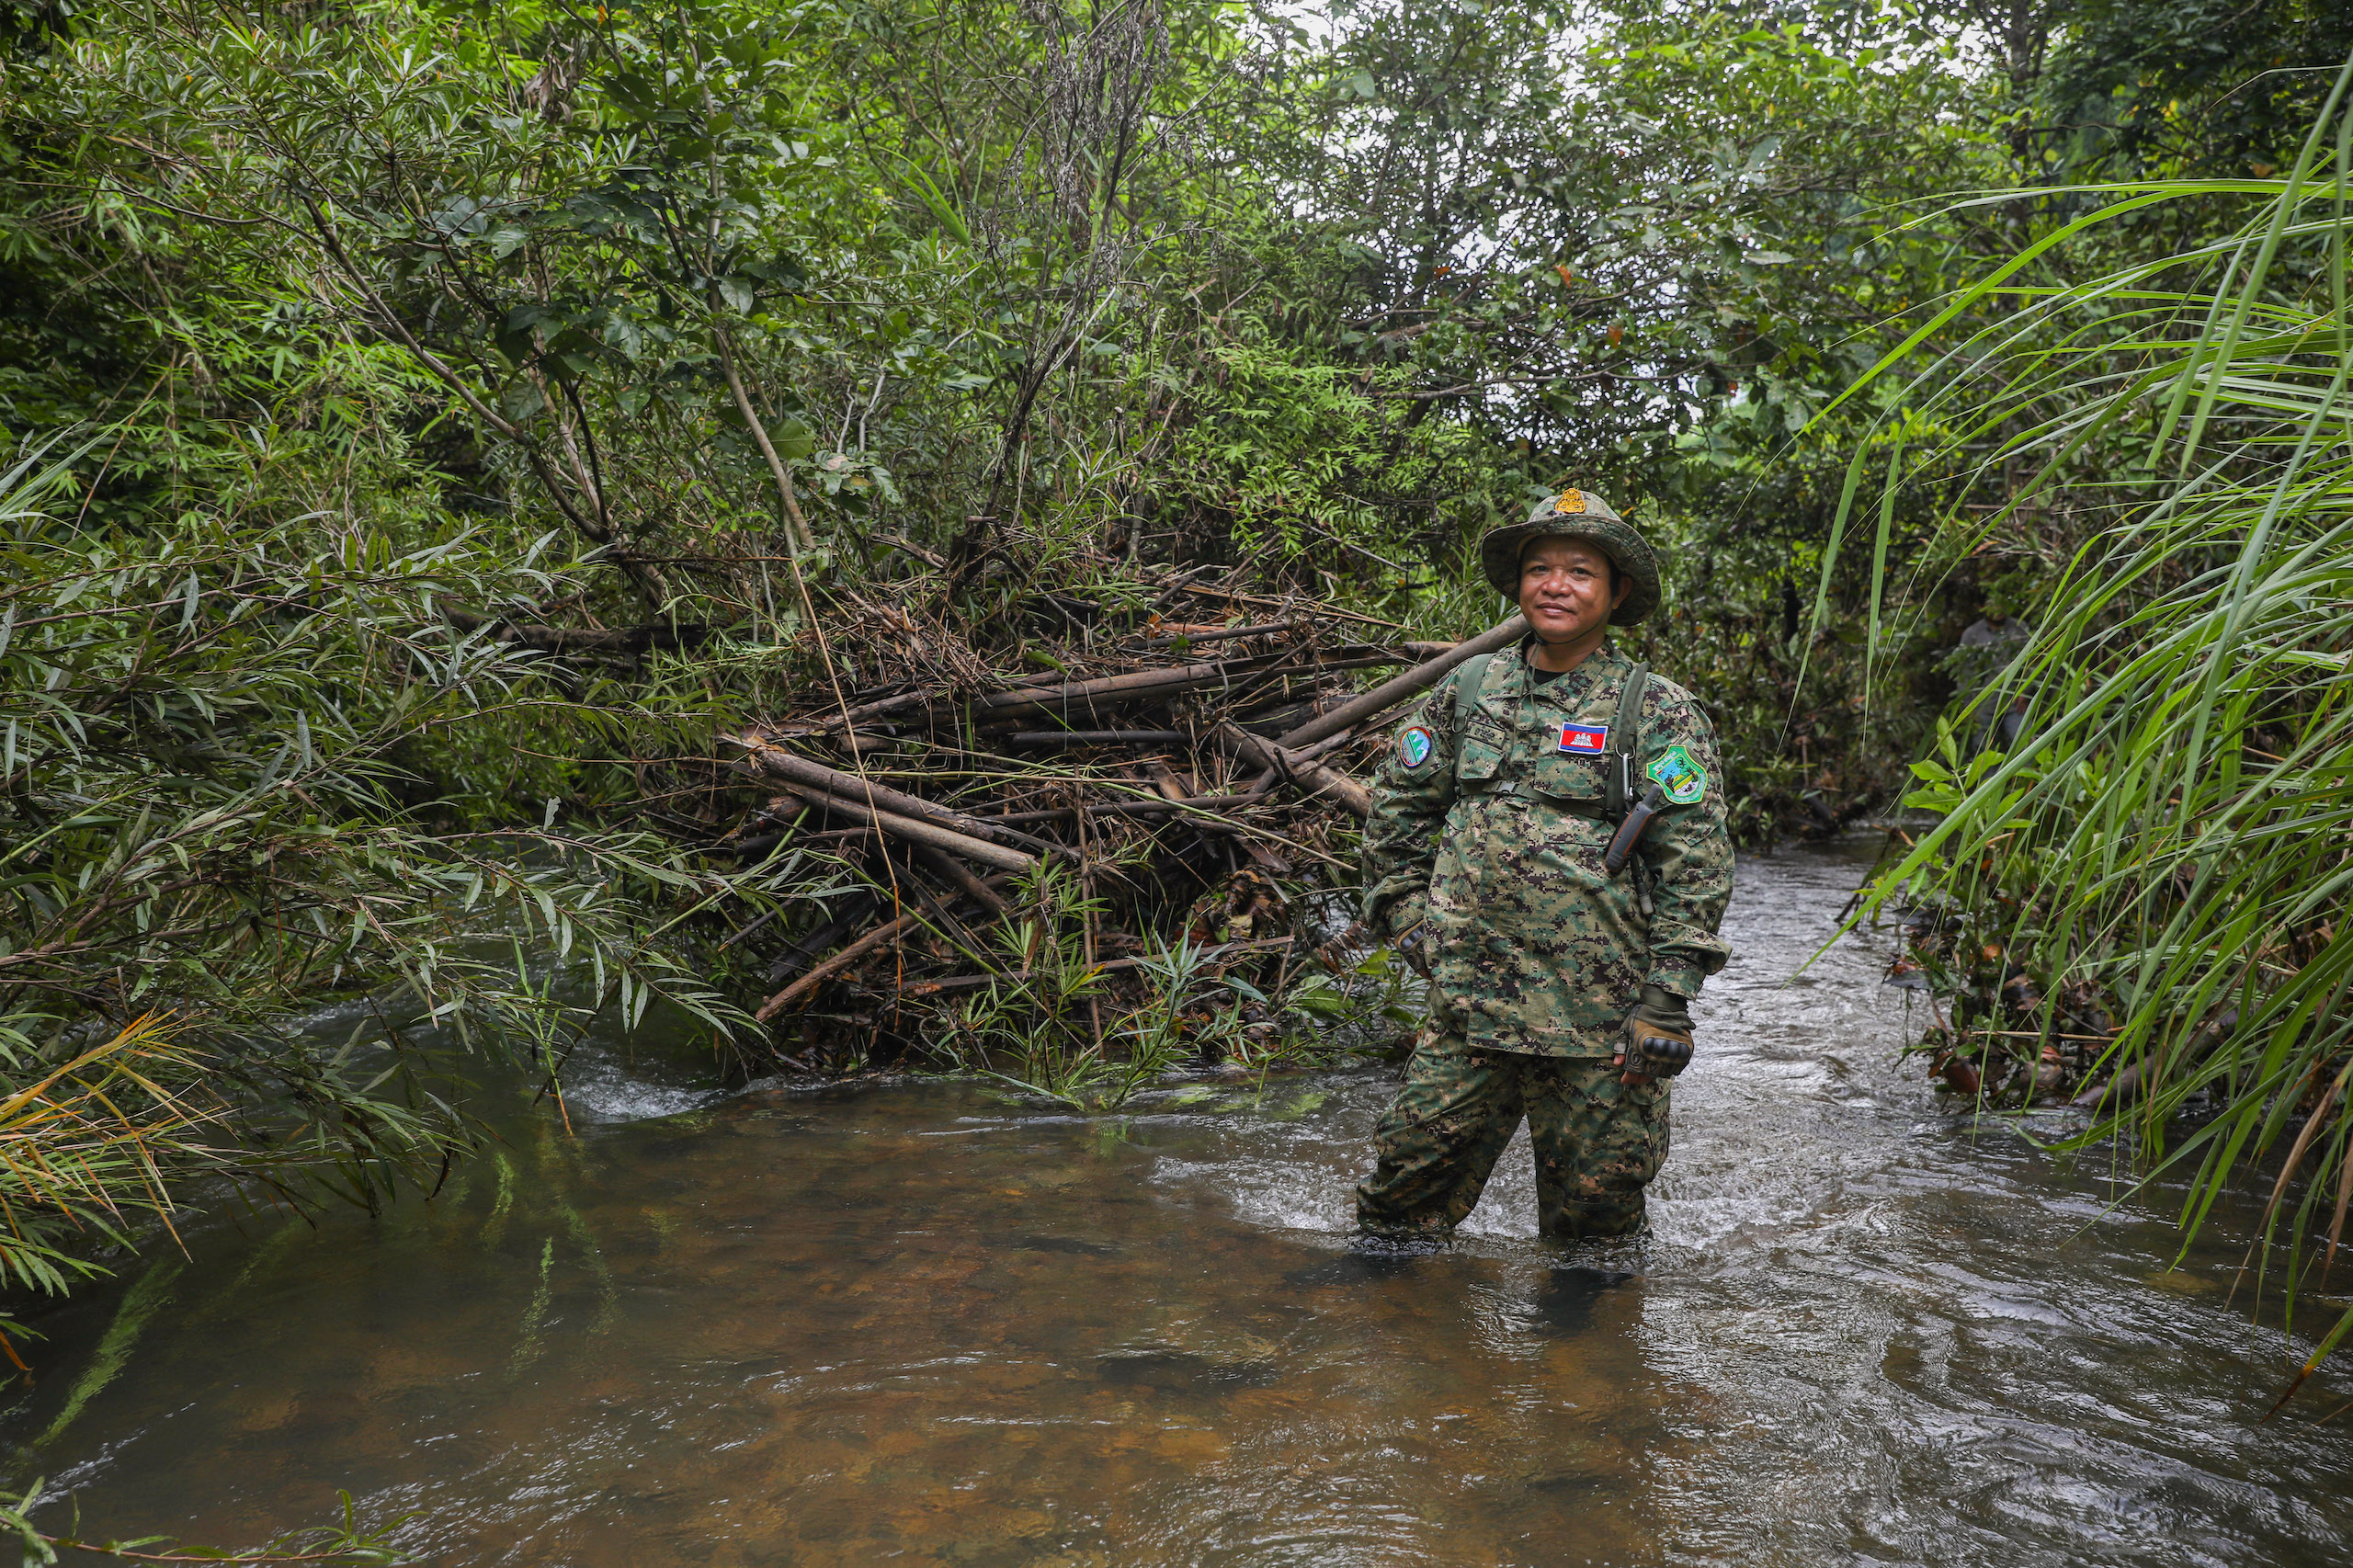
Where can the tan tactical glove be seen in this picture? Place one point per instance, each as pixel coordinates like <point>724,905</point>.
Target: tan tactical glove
<point>1658,1037</point>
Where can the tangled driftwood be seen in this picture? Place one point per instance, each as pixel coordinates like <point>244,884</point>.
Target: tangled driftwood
<point>1197,779</point>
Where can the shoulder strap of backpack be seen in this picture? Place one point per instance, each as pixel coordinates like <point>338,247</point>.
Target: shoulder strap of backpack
<point>1625,745</point>
<point>1467,678</point>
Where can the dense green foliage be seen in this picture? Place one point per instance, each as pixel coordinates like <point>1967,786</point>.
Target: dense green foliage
<point>436,422</point>
<point>208,831</point>
<point>2138,874</point>
<point>728,352</point>
<point>2156,869</point>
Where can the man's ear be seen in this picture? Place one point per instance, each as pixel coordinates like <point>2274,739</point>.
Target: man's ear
<point>1625,587</point>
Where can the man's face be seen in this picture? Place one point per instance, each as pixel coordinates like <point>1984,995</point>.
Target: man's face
<point>1565,588</point>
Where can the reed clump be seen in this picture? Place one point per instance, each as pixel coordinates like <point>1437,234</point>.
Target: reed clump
<point>2134,896</point>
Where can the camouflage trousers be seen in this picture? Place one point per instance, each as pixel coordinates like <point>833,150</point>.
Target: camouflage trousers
<point>1598,1141</point>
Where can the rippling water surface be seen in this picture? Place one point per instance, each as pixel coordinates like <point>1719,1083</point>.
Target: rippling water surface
<point>927,1324</point>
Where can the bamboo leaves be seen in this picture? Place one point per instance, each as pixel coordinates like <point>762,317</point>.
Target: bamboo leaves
<point>208,729</point>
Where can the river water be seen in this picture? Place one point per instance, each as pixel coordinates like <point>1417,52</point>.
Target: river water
<point>929,1323</point>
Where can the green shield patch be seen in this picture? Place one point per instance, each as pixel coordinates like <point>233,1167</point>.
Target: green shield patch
<point>1684,779</point>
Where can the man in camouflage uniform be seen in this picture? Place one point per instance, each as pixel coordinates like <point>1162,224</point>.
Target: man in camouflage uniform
<point>1483,859</point>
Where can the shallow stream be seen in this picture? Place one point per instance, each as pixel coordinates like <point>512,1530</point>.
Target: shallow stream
<point>930,1324</point>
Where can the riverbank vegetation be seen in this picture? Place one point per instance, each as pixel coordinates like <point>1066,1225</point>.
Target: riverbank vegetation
<point>437,427</point>
<point>2137,890</point>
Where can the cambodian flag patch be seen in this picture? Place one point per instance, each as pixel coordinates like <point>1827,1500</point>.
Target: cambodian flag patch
<point>1590,739</point>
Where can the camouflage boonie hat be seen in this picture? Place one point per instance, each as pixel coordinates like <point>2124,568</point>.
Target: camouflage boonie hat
<point>1575,514</point>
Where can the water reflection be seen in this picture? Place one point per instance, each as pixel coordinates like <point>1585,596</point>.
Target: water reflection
<point>931,1324</point>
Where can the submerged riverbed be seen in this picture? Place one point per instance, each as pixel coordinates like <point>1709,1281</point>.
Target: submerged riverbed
<point>932,1323</point>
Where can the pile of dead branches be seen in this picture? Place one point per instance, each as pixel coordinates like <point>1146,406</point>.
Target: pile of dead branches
<point>1189,785</point>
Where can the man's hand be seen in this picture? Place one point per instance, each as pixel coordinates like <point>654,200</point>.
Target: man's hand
<point>1657,1043</point>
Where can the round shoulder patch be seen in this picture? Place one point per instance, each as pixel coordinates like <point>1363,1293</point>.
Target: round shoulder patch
<point>1414,744</point>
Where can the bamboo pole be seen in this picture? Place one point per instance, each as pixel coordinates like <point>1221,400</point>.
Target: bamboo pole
<point>774,759</point>
<point>916,831</point>
<point>1177,677</point>
<point>941,864</point>
<point>1202,673</point>
<point>1097,737</point>
<point>1312,776</point>
<point>1110,690</point>
<point>1194,803</point>
<point>1390,693</point>
<point>803,988</point>
<point>918,988</point>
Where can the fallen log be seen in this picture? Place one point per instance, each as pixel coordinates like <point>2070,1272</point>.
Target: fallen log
<point>1190,804</point>
<point>1158,684</point>
<point>1244,753</point>
<point>1110,692</point>
<point>1129,686</point>
<point>1208,674</point>
<point>1175,677</point>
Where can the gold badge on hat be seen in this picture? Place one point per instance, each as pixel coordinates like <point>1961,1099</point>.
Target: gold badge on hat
<point>1570,501</point>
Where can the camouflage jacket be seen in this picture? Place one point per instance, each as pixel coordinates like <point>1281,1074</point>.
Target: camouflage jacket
<point>1533,948</point>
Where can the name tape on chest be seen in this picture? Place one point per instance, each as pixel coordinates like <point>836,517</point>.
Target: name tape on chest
<point>1587,740</point>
